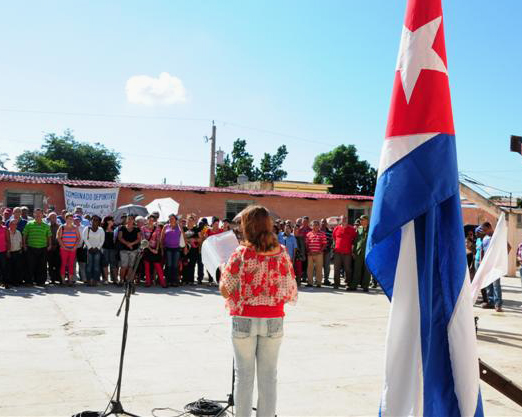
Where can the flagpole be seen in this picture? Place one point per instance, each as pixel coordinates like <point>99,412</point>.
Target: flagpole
<point>502,384</point>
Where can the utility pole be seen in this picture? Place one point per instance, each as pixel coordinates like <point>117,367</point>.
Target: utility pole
<point>213,156</point>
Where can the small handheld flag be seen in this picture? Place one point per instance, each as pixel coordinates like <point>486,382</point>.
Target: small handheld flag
<point>416,240</point>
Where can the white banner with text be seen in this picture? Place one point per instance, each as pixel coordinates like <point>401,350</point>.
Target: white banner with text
<point>100,201</point>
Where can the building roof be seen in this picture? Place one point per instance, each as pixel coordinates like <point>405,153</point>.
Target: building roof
<point>36,179</point>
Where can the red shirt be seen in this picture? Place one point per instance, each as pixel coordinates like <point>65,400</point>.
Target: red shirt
<point>315,242</point>
<point>210,232</point>
<point>343,237</point>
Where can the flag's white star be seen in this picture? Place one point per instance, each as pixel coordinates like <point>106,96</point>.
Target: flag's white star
<point>416,53</point>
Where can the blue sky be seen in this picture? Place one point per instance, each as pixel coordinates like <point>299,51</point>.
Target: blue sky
<point>309,74</point>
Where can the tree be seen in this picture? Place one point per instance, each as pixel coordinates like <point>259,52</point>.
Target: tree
<point>342,168</point>
<point>240,162</point>
<point>270,166</point>
<point>3,160</point>
<point>78,159</point>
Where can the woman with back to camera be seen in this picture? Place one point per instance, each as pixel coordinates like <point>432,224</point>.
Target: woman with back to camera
<point>256,282</point>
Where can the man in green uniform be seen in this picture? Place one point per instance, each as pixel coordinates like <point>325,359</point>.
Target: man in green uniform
<point>36,243</point>
<point>361,275</point>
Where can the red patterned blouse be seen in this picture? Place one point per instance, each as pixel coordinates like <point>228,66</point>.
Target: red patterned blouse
<point>259,285</point>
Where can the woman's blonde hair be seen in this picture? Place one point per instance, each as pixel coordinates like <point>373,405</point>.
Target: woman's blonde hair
<point>256,225</point>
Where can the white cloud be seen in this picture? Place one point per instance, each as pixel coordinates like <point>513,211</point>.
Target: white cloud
<point>166,89</point>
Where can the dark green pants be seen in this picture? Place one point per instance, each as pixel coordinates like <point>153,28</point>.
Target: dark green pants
<point>361,275</point>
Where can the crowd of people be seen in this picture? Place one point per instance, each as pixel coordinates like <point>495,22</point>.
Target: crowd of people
<point>72,247</point>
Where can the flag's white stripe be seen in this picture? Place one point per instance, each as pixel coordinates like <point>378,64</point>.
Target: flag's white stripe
<point>463,352</point>
<point>398,147</point>
<point>403,384</point>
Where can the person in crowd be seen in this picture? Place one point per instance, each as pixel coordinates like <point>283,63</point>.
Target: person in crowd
<point>53,256</point>
<point>343,237</point>
<point>20,221</point>
<point>69,238</point>
<point>93,238</point>
<point>61,217</point>
<point>118,245</point>
<point>301,250</point>
<point>327,252</point>
<point>304,229</point>
<point>109,251</point>
<point>81,251</point>
<point>256,305</point>
<point>315,244</point>
<point>170,243</point>
<point>130,237</point>
<point>78,211</point>
<point>36,242</point>
<point>226,225</point>
<point>15,262</point>
<point>289,241</point>
<point>361,274</point>
<point>192,234</point>
<point>25,214</point>
<point>214,230</point>
<point>140,222</point>
<point>202,225</point>
<point>6,215</point>
<point>152,255</point>
<point>140,272</point>
<point>519,260</point>
<point>494,290</point>
<point>470,252</point>
<point>5,246</point>
<point>479,233</point>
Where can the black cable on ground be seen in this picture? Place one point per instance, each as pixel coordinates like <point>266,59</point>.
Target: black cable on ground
<point>179,413</point>
<point>203,407</point>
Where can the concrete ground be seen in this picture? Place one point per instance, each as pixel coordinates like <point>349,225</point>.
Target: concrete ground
<point>59,350</point>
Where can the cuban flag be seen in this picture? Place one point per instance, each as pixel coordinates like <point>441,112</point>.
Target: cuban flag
<point>416,239</point>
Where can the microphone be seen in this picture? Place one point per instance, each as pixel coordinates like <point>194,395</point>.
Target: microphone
<point>144,244</point>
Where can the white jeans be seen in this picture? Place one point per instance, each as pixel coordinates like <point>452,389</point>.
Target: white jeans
<point>256,340</point>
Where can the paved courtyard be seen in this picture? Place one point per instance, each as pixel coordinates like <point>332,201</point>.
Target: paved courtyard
<point>59,350</point>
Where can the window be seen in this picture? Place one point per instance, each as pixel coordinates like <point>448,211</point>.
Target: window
<point>354,213</point>
<point>519,221</point>
<point>234,207</point>
<point>30,200</point>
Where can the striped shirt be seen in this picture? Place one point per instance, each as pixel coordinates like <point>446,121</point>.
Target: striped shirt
<point>70,238</point>
<point>36,234</point>
<point>315,242</point>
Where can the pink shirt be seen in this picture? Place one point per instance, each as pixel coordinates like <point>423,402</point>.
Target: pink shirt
<point>3,237</point>
<point>259,285</point>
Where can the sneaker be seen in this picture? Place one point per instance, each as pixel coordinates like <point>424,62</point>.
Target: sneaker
<point>487,306</point>
<point>318,285</point>
<point>498,309</point>
<point>327,282</point>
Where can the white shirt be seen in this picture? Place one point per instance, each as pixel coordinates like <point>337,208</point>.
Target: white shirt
<point>16,241</point>
<point>93,239</point>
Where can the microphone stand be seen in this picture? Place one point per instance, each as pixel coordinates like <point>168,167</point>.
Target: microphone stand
<point>115,405</point>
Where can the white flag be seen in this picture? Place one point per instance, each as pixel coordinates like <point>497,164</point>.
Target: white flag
<point>495,262</point>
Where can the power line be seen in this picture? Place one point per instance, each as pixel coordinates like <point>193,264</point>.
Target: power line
<point>106,115</point>
<point>164,117</point>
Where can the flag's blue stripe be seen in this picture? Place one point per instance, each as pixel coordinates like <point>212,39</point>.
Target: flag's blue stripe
<point>410,187</point>
<point>423,186</point>
<point>439,390</point>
